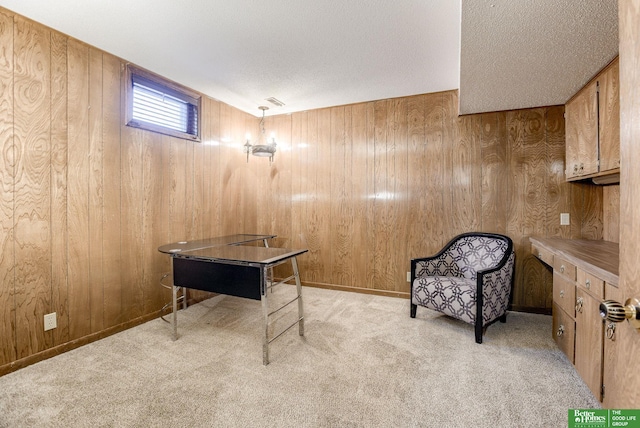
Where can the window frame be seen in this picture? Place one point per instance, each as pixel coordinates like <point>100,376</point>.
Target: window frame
<point>176,90</point>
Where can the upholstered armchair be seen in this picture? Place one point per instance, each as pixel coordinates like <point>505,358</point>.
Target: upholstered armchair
<point>470,279</point>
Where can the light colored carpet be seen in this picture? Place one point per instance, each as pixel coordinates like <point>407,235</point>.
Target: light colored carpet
<point>362,363</point>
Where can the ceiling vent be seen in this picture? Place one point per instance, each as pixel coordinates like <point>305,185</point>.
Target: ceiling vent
<point>276,102</point>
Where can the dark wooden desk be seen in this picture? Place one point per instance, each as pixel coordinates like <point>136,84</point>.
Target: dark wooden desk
<point>221,265</point>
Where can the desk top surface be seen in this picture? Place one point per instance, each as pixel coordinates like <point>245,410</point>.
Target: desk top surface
<point>600,258</point>
<point>240,254</point>
<point>237,239</point>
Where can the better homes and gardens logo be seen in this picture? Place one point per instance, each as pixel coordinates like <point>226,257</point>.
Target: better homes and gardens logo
<point>588,418</point>
<point>603,418</point>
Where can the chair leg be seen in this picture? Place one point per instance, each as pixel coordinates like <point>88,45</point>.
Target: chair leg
<point>413,310</point>
<point>478,332</point>
<point>503,318</point>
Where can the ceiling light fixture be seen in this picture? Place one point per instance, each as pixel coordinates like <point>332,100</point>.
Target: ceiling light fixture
<point>264,147</point>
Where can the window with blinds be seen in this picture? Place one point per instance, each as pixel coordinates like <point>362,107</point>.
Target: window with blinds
<point>158,105</point>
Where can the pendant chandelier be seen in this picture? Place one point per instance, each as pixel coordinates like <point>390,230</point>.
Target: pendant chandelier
<point>264,147</point>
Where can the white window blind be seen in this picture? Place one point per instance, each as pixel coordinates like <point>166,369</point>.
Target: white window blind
<point>162,108</point>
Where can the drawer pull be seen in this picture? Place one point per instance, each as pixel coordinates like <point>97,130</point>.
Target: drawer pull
<point>560,331</point>
<point>539,255</point>
<point>561,268</point>
<point>561,293</point>
<point>587,284</point>
<point>579,303</point>
<point>611,331</point>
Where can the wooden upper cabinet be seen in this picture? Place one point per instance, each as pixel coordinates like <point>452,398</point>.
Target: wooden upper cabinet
<point>592,126</point>
<point>581,118</point>
<point>609,109</point>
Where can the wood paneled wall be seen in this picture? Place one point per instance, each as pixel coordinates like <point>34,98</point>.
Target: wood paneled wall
<point>611,212</point>
<point>374,184</point>
<point>85,201</point>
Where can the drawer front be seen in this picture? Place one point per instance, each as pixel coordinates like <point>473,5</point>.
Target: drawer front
<point>564,329</point>
<point>591,283</point>
<point>544,255</point>
<point>564,293</point>
<point>564,267</point>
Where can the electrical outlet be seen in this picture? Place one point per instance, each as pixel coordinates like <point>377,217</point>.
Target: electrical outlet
<point>50,321</point>
<point>564,219</point>
<point>408,276</point>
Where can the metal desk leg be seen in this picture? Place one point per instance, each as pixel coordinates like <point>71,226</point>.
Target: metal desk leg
<point>296,273</point>
<point>174,314</point>
<point>266,245</point>
<point>265,319</point>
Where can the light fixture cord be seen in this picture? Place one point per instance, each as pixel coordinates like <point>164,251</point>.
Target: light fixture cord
<point>262,127</point>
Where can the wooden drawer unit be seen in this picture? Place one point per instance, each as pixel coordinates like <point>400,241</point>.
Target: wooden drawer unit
<point>578,288</point>
<point>565,268</point>
<point>591,283</point>
<point>564,293</point>
<point>564,329</point>
<point>544,255</point>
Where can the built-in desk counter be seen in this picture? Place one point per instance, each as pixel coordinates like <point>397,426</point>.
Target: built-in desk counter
<point>584,273</point>
<point>599,258</point>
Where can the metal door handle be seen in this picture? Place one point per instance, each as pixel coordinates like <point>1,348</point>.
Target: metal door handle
<point>615,312</point>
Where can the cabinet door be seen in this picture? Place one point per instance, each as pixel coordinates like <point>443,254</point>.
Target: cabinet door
<point>610,345</point>
<point>581,132</point>
<point>609,110</point>
<point>589,334</point>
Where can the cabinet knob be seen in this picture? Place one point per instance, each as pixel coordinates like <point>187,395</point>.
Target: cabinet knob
<point>539,255</point>
<point>587,284</point>
<point>575,167</point>
<point>561,293</point>
<point>561,268</point>
<point>579,303</point>
<point>560,331</point>
<point>581,167</point>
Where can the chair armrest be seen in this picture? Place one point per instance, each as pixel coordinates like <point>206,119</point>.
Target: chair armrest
<point>495,288</point>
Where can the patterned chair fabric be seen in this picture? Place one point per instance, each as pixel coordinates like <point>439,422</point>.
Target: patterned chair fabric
<point>470,279</point>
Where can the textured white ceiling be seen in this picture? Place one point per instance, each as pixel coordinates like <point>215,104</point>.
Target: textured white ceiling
<point>530,53</point>
<point>312,54</point>
<point>308,54</point>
